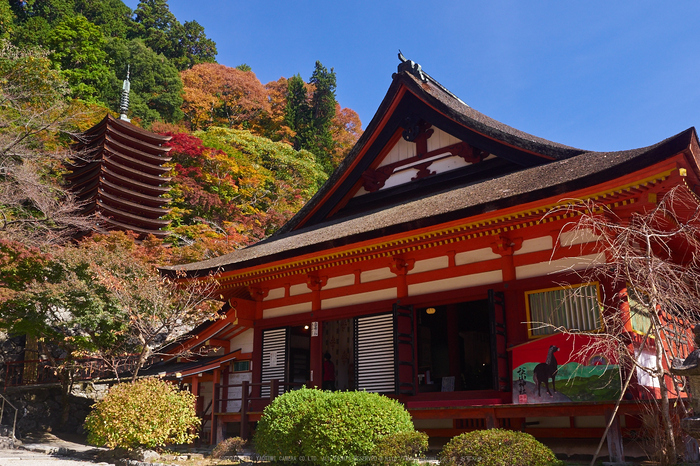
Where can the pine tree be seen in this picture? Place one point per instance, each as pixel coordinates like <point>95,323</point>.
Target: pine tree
<point>311,117</point>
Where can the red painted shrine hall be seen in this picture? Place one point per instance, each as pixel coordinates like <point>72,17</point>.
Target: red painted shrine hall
<point>418,267</point>
<point>118,174</point>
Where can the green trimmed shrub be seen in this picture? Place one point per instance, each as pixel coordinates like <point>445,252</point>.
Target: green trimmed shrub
<point>496,447</point>
<point>147,413</point>
<point>278,432</point>
<point>328,428</point>
<point>229,447</point>
<point>401,449</point>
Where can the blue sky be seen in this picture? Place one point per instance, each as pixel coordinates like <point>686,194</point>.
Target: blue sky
<point>598,75</point>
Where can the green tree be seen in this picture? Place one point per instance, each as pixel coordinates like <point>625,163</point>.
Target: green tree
<point>51,10</point>
<point>78,48</point>
<point>53,299</point>
<point>297,112</point>
<point>112,16</point>
<point>32,32</point>
<point>323,105</point>
<point>310,114</point>
<point>193,46</point>
<point>7,20</point>
<point>186,45</point>
<point>156,87</point>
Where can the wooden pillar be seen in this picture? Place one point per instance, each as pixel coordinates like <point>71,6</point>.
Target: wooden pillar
<point>316,357</point>
<point>316,284</point>
<point>214,405</point>
<point>616,452</point>
<point>245,429</point>
<point>257,360</point>
<point>401,267</point>
<point>258,294</point>
<point>194,383</point>
<point>506,247</point>
<point>491,422</point>
<point>454,348</point>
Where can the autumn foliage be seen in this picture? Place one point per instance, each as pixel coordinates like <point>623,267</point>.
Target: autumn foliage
<point>235,188</point>
<point>147,413</point>
<point>217,94</point>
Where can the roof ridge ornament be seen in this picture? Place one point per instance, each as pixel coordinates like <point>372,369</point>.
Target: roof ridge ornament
<point>124,101</point>
<point>411,67</point>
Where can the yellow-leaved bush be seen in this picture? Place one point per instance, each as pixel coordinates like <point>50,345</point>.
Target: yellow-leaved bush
<point>147,413</point>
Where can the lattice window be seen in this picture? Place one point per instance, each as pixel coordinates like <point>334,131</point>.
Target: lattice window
<point>575,308</point>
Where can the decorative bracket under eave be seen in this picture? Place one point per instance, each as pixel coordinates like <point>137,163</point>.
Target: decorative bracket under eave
<point>505,246</point>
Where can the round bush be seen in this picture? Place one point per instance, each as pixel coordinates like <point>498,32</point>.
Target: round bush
<point>278,433</point>
<point>147,413</point>
<point>496,447</point>
<point>317,427</point>
<point>400,449</point>
<point>228,448</point>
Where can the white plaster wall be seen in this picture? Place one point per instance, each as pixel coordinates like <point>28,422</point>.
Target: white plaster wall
<point>287,310</point>
<point>477,255</point>
<point>456,283</point>
<point>572,238</point>
<point>359,298</point>
<point>558,266</point>
<point>543,243</point>
<point>301,288</point>
<point>376,274</point>
<point>436,263</point>
<point>275,293</point>
<point>235,378</point>
<point>339,282</point>
<point>440,139</point>
<point>244,341</point>
<point>401,151</point>
<point>400,177</point>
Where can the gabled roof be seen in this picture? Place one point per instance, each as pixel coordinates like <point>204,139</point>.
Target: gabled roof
<point>522,169</point>
<point>411,99</point>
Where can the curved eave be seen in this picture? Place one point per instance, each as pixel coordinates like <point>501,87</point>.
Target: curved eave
<point>135,163</point>
<point>132,195</point>
<point>142,231</point>
<point>129,218</point>
<point>153,212</point>
<point>133,185</point>
<point>138,133</point>
<point>80,173</point>
<point>124,127</point>
<point>553,181</point>
<point>135,143</point>
<point>112,144</point>
<point>153,180</point>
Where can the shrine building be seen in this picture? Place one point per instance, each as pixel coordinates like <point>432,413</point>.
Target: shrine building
<point>429,269</point>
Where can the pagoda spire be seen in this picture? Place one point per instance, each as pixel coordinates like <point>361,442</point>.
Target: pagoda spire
<point>124,103</point>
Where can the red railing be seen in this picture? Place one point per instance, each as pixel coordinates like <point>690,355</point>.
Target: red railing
<point>249,400</point>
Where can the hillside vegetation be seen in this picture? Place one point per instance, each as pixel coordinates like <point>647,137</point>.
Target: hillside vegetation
<point>245,158</point>
<point>246,155</point>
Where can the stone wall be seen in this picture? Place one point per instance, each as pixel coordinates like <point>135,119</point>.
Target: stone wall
<point>11,349</point>
<point>39,408</point>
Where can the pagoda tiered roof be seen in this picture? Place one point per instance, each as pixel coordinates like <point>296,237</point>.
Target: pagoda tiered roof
<point>118,174</point>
